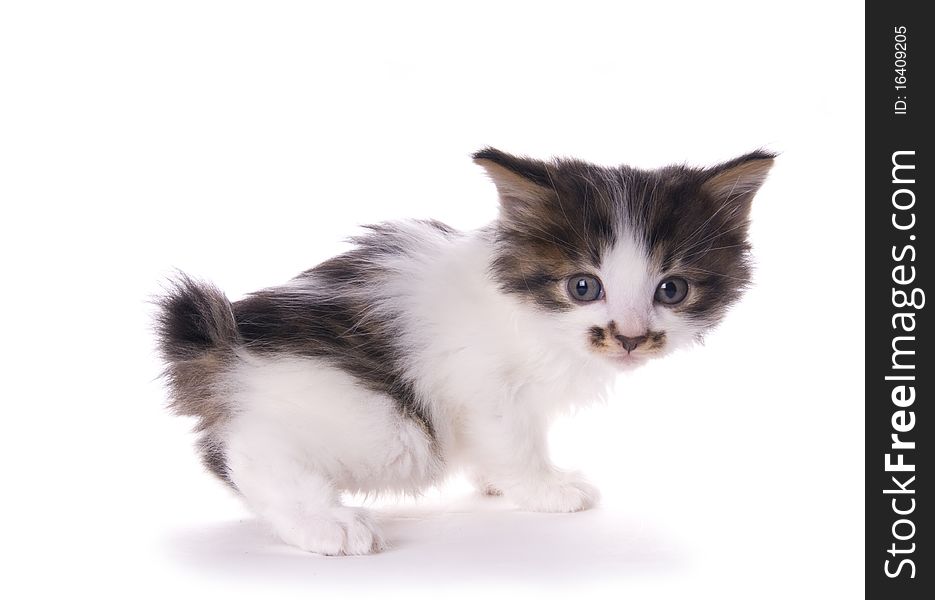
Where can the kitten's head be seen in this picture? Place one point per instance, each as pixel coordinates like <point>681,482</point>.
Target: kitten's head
<point>631,263</point>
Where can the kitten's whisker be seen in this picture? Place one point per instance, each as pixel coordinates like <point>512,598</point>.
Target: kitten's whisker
<point>562,207</point>
<point>706,250</point>
<point>727,203</point>
<point>700,270</point>
<point>700,228</point>
<point>551,239</point>
<point>717,234</point>
<point>730,194</point>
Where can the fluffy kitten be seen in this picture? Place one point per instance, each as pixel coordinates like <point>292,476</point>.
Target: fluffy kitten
<point>425,350</point>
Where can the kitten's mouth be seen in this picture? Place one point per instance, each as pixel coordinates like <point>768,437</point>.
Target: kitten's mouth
<point>628,360</point>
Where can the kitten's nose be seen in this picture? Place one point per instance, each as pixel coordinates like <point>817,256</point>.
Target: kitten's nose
<point>630,343</point>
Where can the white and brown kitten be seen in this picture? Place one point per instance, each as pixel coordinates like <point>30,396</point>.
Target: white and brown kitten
<point>425,350</point>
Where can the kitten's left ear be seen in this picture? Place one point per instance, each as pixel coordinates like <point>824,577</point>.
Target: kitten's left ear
<point>524,184</point>
<point>738,180</point>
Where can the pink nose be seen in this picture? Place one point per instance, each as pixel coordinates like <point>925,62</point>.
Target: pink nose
<point>630,343</point>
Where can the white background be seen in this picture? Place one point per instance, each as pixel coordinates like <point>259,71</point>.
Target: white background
<point>242,142</point>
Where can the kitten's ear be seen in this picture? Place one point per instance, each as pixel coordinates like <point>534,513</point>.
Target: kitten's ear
<point>523,183</point>
<point>738,180</point>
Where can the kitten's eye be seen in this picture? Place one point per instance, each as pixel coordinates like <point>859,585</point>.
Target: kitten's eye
<point>671,291</point>
<point>585,288</point>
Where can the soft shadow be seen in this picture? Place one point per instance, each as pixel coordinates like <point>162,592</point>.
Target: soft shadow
<point>478,538</point>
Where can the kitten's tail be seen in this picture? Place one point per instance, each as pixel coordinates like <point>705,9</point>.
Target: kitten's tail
<point>194,318</point>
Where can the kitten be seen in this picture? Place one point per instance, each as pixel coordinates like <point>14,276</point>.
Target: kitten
<point>426,350</point>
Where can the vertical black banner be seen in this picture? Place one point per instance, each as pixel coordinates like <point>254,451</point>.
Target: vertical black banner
<point>900,369</point>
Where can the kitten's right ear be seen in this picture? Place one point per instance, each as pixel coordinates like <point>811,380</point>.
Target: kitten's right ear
<point>523,183</point>
<point>739,180</point>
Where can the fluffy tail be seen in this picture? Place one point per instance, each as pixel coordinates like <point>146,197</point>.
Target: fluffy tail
<point>197,334</point>
<point>194,318</point>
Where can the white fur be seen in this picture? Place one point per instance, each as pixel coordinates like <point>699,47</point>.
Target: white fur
<point>491,369</point>
<point>631,278</point>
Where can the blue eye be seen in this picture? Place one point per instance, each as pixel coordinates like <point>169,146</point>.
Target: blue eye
<point>585,288</point>
<point>671,291</point>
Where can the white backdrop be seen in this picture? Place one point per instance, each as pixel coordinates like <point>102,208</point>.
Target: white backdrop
<point>242,142</point>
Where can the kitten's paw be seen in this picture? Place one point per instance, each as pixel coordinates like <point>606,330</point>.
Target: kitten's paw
<point>338,532</point>
<point>568,493</point>
<point>491,490</point>
<point>485,487</point>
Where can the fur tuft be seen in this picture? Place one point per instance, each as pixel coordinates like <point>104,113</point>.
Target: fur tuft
<point>194,318</point>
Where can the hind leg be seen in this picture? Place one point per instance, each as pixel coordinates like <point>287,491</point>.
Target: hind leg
<point>297,499</point>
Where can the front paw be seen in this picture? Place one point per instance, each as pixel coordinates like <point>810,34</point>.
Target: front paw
<point>568,493</point>
<point>338,531</point>
<point>483,485</point>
